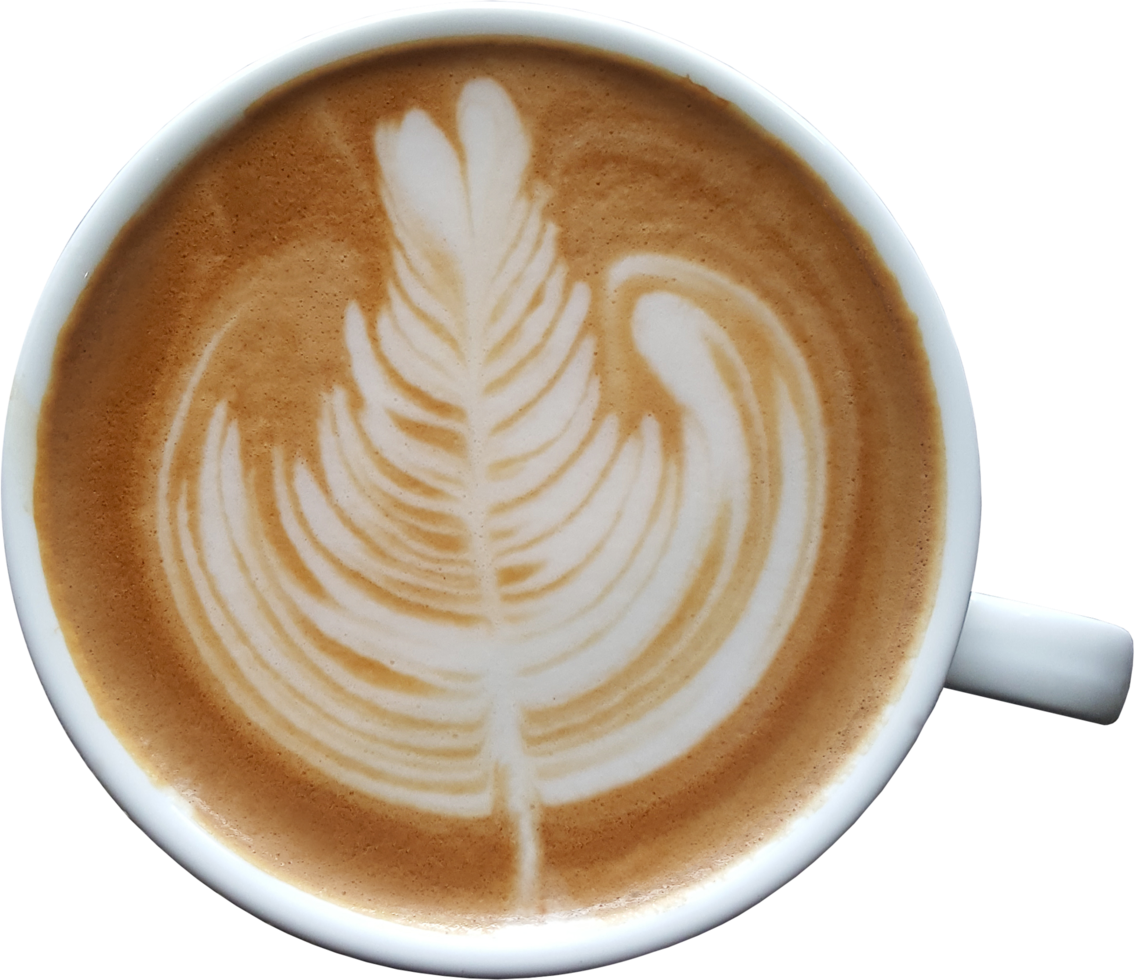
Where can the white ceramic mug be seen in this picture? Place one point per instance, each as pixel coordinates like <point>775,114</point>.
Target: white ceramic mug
<point>837,815</point>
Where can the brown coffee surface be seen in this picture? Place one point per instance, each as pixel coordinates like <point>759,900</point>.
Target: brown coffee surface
<point>259,247</point>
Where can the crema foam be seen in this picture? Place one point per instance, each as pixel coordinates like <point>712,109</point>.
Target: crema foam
<point>524,484</point>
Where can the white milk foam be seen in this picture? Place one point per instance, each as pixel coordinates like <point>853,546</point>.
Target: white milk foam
<point>554,546</point>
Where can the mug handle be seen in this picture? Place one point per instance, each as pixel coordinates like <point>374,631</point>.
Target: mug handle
<point>1070,665</point>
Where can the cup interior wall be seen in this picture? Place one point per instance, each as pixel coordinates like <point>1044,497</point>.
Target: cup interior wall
<point>519,950</point>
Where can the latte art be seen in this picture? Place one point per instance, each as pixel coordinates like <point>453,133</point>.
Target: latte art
<point>482,590</point>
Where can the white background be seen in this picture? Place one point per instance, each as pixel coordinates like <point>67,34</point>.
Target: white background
<point>993,145</point>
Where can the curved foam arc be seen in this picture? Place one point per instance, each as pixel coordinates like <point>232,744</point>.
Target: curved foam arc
<point>509,561</point>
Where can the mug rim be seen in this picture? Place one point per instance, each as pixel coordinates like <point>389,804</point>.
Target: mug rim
<point>556,946</point>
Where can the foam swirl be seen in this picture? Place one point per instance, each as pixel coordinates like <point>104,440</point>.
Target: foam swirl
<point>482,589</point>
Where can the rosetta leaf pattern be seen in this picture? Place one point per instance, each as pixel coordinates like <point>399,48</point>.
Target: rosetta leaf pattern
<point>491,566</point>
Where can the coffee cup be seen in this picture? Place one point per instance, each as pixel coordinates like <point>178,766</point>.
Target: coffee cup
<point>59,709</point>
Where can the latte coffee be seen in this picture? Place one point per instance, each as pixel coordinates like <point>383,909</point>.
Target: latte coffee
<point>493,480</point>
